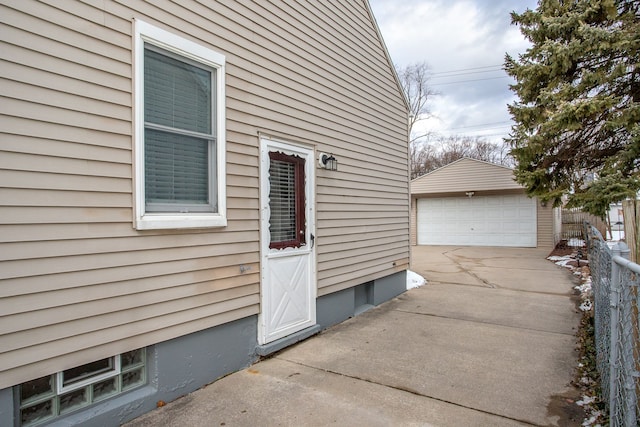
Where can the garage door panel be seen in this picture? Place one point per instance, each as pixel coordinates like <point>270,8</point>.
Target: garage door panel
<point>528,228</point>
<point>508,220</point>
<point>479,227</point>
<point>449,205</point>
<point>511,214</point>
<point>525,213</point>
<point>494,227</point>
<point>520,240</point>
<point>512,227</point>
<point>493,214</point>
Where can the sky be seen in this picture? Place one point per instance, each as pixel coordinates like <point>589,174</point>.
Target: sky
<point>464,43</point>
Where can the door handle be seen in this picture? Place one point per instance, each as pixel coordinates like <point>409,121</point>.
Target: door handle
<point>313,240</point>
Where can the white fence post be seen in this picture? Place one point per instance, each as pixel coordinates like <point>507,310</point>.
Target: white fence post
<point>627,338</point>
<point>614,324</point>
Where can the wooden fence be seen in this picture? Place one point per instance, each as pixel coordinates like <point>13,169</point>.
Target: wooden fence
<point>573,226</point>
<point>631,209</point>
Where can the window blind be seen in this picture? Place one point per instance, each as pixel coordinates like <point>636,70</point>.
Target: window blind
<point>176,94</point>
<point>177,168</point>
<point>282,201</point>
<point>179,143</point>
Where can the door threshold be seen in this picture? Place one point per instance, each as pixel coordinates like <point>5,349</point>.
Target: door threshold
<point>272,347</point>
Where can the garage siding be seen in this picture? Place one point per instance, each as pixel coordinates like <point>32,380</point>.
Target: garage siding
<point>548,225</point>
<point>465,175</point>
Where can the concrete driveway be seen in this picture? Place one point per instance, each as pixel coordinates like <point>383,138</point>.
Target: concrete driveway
<point>488,342</point>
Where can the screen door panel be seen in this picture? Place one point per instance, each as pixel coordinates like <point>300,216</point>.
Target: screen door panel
<point>288,285</point>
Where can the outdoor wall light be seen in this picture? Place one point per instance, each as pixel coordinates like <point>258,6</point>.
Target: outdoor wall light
<point>470,194</point>
<point>327,161</point>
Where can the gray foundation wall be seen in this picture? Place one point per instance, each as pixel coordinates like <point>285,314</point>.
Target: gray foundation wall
<point>185,364</point>
<point>174,368</point>
<point>339,306</point>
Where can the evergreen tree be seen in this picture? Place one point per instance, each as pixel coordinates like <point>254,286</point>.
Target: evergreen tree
<point>577,129</point>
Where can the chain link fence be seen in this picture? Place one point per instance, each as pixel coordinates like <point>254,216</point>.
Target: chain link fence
<point>615,282</point>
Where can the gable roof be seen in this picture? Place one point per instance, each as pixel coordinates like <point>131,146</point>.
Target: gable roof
<point>466,175</point>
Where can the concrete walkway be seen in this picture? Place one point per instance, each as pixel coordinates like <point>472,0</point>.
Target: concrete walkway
<point>488,342</point>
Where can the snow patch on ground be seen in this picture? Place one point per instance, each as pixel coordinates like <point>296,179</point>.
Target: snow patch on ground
<point>586,294</point>
<point>586,305</point>
<point>561,260</point>
<point>414,280</point>
<point>586,400</point>
<point>592,421</point>
<point>575,243</point>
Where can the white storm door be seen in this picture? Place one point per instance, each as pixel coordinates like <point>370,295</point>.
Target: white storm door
<point>288,283</point>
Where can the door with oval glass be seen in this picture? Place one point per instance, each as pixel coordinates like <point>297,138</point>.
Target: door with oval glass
<point>288,283</point>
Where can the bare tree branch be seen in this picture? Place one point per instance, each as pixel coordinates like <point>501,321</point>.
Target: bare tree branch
<point>428,155</point>
<point>414,79</point>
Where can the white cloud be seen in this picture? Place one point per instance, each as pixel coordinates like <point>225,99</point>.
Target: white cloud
<point>458,35</point>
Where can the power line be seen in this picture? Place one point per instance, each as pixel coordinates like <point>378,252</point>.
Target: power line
<point>485,124</point>
<point>474,130</point>
<point>468,81</point>
<point>482,135</point>
<point>467,73</point>
<point>467,69</point>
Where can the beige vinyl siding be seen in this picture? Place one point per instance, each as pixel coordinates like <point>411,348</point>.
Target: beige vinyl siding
<point>545,226</point>
<point>465,175</point>
<point>77,281</point>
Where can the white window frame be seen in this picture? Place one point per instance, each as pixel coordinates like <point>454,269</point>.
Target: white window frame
<point>91,379</point>
<point>147,33</point>
<point>57,392</point>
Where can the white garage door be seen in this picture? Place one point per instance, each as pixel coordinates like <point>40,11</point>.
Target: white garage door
<point>477,221</point>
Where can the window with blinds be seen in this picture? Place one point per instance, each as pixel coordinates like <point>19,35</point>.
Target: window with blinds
<point>179,131</point>
<point>286,201</point>
<point>179,141</point>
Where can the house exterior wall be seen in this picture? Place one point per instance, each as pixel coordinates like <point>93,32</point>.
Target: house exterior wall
<point>77,281</point>
<point>174,368</point>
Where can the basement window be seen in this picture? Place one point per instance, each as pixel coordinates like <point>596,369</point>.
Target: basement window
<point>46,398</point>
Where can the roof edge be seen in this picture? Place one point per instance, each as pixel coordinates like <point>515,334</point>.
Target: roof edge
<point>459,160</point>
<point>374,21</point>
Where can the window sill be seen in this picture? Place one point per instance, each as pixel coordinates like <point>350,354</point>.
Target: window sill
<point>165,222</point>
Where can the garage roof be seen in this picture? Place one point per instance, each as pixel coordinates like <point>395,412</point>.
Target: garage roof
<point>466,175</point>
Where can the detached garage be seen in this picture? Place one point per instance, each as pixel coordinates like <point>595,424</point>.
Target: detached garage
<point>474,203</point>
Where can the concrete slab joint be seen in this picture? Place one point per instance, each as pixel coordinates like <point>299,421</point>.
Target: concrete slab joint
<point>450,353</point>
